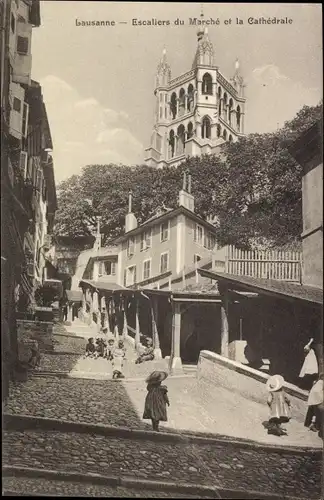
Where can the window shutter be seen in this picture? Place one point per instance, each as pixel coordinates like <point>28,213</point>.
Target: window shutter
<point>125,277</point>
<point>16,106</point>
<point>113,268</point>
<point>195,233</point>
<point>25,119</point>
<point>22,45</point>
<point>134,274</point>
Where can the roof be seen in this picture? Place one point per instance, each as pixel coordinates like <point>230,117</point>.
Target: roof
<point>161,218</point>
<point>203,263</point>
<point>102,285</point>
<point>277,288</point>
<point>74,295</point>
<point>308,145</point>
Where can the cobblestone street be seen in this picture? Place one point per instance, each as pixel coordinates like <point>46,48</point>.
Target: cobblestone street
<point>121,404</point>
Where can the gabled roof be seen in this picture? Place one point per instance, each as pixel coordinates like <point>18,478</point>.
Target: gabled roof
<point>275,288</point>
<point>161,218</point>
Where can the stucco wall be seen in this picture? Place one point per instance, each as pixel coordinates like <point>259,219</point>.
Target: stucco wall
<point>312,186</point>
<point>214,371</point>
<point>153,253</point>
<point>191,246</point>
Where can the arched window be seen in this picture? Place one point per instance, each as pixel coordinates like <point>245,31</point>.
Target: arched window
<point>181,140</point>
<point>225,106</point>
<point>182,102</point>
<point>219,130</point>
<point>190,130</point>
<point>224,135</point>
<point>171,144</point>
<point>190,101</point>
<point>173,105</point>
<point>206,128</point>
<point>230,139</point>
<point>207,84</point>
<point>230,107</point>
<point>238,118</point>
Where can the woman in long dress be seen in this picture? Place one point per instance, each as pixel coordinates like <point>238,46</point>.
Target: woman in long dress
<point>156,399</point>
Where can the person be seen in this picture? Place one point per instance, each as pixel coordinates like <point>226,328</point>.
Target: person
<point>90,347</point>
<point>156,399</point>
<point>148,354</point>
<point>309,371</point>
<point>118,360</point>
<point>110,348</point>
<point>35,358</point>
<point>279,405</point>
<point>103,317</point>
<point>65,312</point>
<point>313,418</point>
<point>100,348</point>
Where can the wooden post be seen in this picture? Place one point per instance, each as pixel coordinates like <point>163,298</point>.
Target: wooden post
<point>175,359</point>
<point>137,334</point>
<point>224,324</point>
<point>125,329</point>
<point>155,333</point>
<point>70,310</point>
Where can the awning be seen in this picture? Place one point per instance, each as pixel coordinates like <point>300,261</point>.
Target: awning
<point>74,295</point>
<point>275,288</point>
<point>102,285</point>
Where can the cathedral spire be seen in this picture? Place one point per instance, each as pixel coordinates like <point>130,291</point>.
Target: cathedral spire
<point>237,78</point>
<point>205,50</point>
<point>163,73</point>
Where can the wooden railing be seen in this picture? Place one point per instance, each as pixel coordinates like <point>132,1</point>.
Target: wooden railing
<point>269,264</point>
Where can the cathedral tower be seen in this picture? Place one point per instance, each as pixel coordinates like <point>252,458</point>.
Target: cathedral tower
<point>195,112</point>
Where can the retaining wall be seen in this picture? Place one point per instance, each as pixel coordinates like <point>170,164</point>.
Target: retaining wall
<point>39,331</point>
<point>214,370</point>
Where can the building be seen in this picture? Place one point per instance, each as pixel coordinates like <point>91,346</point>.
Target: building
<point>195,112</point>
<point>283,316</point>
<point>308,151</point>
<point>166,244</point>
<point>28,198</point>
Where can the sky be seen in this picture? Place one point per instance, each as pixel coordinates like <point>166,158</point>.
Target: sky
<point>98,82</point>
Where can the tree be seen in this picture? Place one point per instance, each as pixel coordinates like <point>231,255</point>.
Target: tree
<point>253,189</point>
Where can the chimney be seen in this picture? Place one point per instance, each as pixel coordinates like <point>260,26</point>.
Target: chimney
<point>185,197</point>
<point>130,219</point>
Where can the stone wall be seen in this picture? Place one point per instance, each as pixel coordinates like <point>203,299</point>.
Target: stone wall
<point>39,331</point>
<point>214,371</point>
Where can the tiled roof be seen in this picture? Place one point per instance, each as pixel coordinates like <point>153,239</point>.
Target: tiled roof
<point>277,288</point>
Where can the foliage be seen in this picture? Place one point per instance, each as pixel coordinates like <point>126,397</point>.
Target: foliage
<point>252,189</point>
<point>45,296</point>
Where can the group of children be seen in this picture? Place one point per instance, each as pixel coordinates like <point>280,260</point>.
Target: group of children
<point>108,350</point>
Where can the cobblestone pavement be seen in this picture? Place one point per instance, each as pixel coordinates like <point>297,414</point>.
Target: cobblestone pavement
<point>121,404</point>
<point>220,465</point>
<point>70,488</point>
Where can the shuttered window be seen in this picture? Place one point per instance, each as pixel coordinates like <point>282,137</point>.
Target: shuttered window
<point>22,45</point>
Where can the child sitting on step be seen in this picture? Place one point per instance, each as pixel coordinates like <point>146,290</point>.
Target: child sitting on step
<point>90,347</point>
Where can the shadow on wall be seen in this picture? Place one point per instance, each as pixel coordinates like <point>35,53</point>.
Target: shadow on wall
<point>200,330</point>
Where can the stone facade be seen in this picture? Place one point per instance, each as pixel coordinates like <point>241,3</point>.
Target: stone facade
<point>197,111</point>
